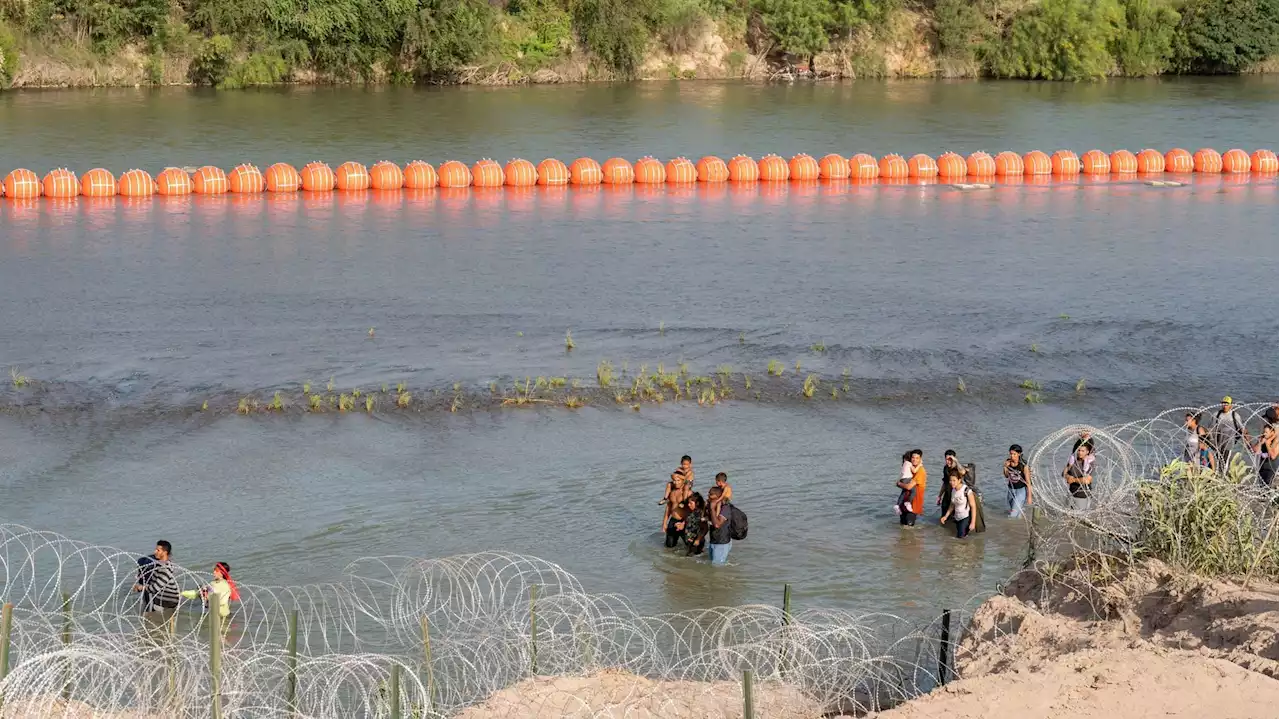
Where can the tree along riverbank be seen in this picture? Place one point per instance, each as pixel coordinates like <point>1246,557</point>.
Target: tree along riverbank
<point>240,43</point>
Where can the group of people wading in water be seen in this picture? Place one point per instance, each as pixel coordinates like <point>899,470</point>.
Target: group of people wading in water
<point>704,525</point>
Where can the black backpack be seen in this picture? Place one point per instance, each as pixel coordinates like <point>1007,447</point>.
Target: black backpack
<point>737,524</point>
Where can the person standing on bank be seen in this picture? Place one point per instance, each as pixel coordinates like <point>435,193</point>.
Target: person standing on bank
<point>159,587</point>
<point>719,540</point>
<point>962,504</point>
<point>1018,476</point>
<point>1226,429</point>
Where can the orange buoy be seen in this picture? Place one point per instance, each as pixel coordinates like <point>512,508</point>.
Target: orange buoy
<point>1179,160</point>
<point>586,171</point>
<point>980,164</point>
<point>246,179</point>
<point>922,166</point>
<point>455,174</point>
<point>552,172</point>
<point>649,171</point>
<point>282,177</point>
<point>136,183</point>
<point>520,173</point>
<point>712,169</point>
<point>863,167</point>
<point>743,169</point>
<point>351,177</point>
<point>833,167</point>
<point>487,173</point>
<point>1207,160</point>
<point>209,180</point>
<point>172,181</point>
<point>1264,162</point>
<point>1237,161</point>
<point>61,183</point>
<point>419,175</point>
<point>97,183</point>
<point>1095,162</point>
<point>22,184</point>
<point>803,168</point>
<point>1009,164</point>
<point>1150,161</point>
<point>893,167</point>
<point>317,177</point>
<point>1036,163</point>
<point>386,175</point>
<point>773,169</point>
<point>681,171</point>
<point>952,166</point>
<point>617,171</point>
<point>1124,162</point>
<point>1064,163</point>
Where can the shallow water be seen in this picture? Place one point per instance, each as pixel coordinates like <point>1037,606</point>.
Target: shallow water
<point>130,314</point>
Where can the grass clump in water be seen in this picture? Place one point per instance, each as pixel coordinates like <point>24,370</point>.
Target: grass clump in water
<point>1033,398</point>
<point>1030,384</point>
<point>1080,385</point>
<point>403,399</point>
<point>317,403</point>
<point>810,386</point>
<point>776,368</point>
<point>568,341</point>
<point>19,380</point>
<point>306,388</point>
<point>960,386</point>
<point>604,374</point>
<point>277,403</point>
<point>819,347</point>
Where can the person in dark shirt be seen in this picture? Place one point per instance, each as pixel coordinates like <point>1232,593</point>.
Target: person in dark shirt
<point>719,540</point>
<point>159,587</point>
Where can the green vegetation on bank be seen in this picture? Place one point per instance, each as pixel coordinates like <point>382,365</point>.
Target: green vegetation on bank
<point>238,43</point>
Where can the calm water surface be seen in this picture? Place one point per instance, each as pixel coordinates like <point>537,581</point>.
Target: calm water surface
<point>134,312</point>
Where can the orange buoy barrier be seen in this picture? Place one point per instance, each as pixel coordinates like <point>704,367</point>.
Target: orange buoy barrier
<point>743,169</point>
<point>922,166</point>
<point>1178,160</point>
<point>1009,164</point>
<point>1264,162</point>
<point>1124,162</point>
<point>586,171</point>
<point>681,171</point>
<point>617,171</point>
<point>172,181</point>
<point>863,167</point>
<point>61,183</point>
<point>773,169</point>
<point>952,166</point>
<point>419,175</point>
<point>520,173</point>
<point>22,184</point>
<point>1064,163</point>
<point>1095,162</point>
<point>282,177</point>
<point>980,164</point>
<point>803,168</point>
<point>893,167</point>
<point>1237,161</point>
<point>1036,163</point>
<point>136,183</point>
<point>487,173</point>
<point>351,177</point>
<point>1207,160</point>
<point>649,171</point>
<point>454,174</point>
<point>833,167</point>
<point>1150,161</point>
<point>551,172</point>
<point>209,180</point>
<point>317,177</point>
<point>712,169</point>
<point>246,179</point>
<point>385,175</point>
<point>98,183</point>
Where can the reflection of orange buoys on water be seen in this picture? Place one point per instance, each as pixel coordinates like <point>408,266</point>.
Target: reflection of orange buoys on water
<point>833,187</point>
<point>349,200</point>
<point>649,171</point>
<point>553,172</point>
<point>864,167</point>
<point>862,182</point>
<point>487,173</point>
<point>1207,160</point>
<point>774,191</point>
<point>833,167</point>
<point>246,179</point>
<point>893,167</point>
<point>712,169</point>
<point>922,166</point>
<point>952,166</point>
<point>803,168</point>
<point>896,181</point>
<point>1097,178</point>
<point>173,182</point>
<point>1179,160</point>
<point>520,173</point>
<point>584,197</point>
<point>681,171</point>
<point>385,175</point>
<point>1264,162</point>
<point>22,184</point>
<point>1095,162</point>
<point>713,190</point>
<point>552,196</point>
<point>1150,162</point>
<point>282,177</point>
<point>805,188</point>
<point>317,177</point>
<point>419,175</point>
<point>617,171</point>
<point>209,180</point>
<point>136,183</point>
<point>1009,164</point>
<point>1036,163</point>
<point>1011,179</point>
<point>649,190</point>
<point>61,183</point>
<point>351,177</point>
<point>454,174</point>
<point>386,198</point>
<point>244,200</point>
<point>773,169</point>
<point>519,198</point>
<point>98,183</point>
<point>681,192</point>
<point>97,203</point>
<point>980,164</point>
<point>418,198</point>
<point>1045,180</point>
<point>585,171</point>
<point>743,169</point>
<point>1124,162</point>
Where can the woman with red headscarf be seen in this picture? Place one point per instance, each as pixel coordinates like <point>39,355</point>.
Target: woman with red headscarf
<point>222,586</point>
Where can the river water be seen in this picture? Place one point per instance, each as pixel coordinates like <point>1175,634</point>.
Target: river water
<point>128,315</point>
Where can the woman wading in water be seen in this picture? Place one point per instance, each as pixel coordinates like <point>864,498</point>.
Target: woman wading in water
<point>1018,476</point>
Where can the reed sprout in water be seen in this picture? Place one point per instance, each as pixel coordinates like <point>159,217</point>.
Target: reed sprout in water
<point>1033,398</point>
<point>568,341</point>
<point>19,380</point>
<point>810,386</point>
<point>776,368</point>
<point>960,386</point>
<point>403,399</point>
<point>306,388</point>
<point>1080,385</point>
<point>604,374</point>
<point>819,347</point>
<point>1030,384</point>
<point>277,403</point>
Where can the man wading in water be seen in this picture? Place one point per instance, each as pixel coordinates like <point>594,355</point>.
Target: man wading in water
<point>911,502</point>
<point>678,493</point>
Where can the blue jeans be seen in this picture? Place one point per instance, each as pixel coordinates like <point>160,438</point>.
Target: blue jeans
<point>962,527</point>
<point>719,552</point>
<point>1017,500</point>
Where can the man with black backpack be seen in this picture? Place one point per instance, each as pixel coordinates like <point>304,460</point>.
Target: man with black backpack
<point>727,524</point>
<point>1225,430</point>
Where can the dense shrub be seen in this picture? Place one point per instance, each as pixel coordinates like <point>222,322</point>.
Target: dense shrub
<point>8,56</point>
<point>962,30</point>
<point>1225,36</point>
<point>1145,45</point>
<point>1060,40</point>
<point>614,31</point>
<point>798,27</point>
<point>447,35</point>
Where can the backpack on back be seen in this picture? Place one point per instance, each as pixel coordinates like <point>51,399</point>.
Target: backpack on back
<point>737,523</point>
